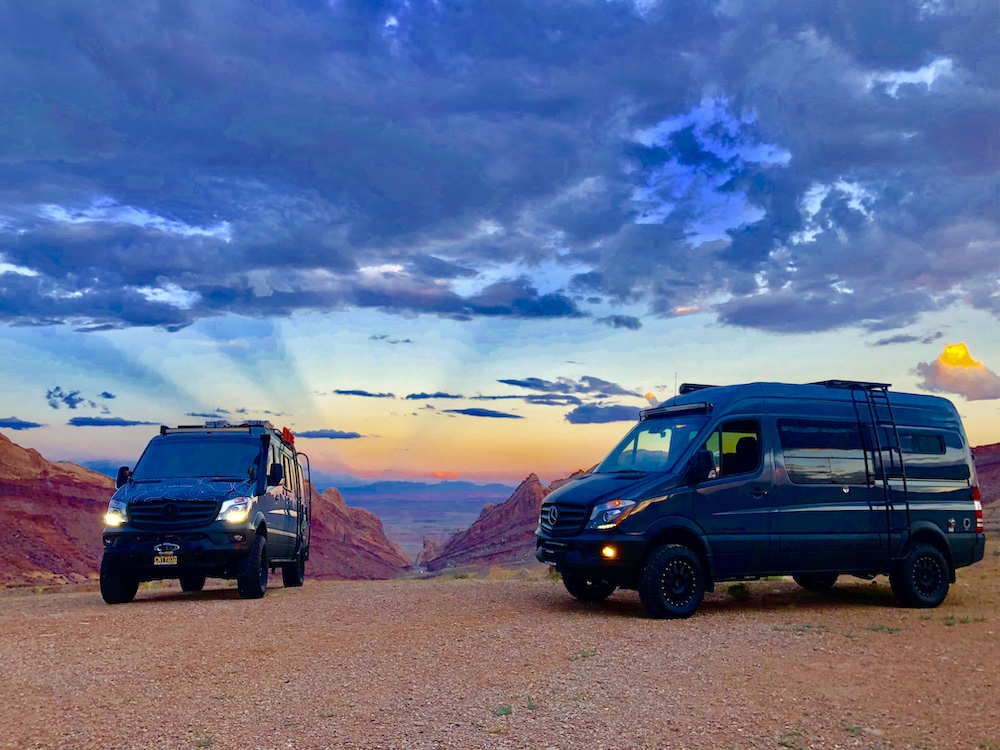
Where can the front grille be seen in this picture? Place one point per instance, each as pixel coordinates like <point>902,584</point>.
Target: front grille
<point>172,514</point>
<point>569,519</point>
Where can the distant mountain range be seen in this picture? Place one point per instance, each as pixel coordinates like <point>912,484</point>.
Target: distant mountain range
<point>412,511</point>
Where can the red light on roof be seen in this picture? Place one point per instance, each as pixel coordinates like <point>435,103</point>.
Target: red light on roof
<point>287,436</point>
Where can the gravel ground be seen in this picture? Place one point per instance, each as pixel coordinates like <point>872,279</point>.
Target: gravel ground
<point>465,663</point>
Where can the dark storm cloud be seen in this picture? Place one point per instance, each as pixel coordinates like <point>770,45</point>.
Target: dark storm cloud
<point>630,322</point>
<point>104,422</point>
<point>57,397</point>
<point>426,396</point>
<point>385,337</point>
<point>329,434</point>
<point>158,167</point>
<point>363,394</point>
<point>586,385</point>
<point>488,413</point>
<point>13,423</point>
<point>904,338</point>
<point>106,395</point>
<point>596,414</point>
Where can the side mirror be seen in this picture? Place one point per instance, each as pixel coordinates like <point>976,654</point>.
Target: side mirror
<point>702,467</point>
<point>275,475</point>
<point>123,476</point>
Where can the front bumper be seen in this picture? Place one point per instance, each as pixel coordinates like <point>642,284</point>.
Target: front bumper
<point>580,555</point>
<point>215,550</point>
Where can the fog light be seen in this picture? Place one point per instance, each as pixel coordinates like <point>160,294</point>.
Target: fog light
<point>238,537</point>
<point>609,552</point>
<point>108,541</point>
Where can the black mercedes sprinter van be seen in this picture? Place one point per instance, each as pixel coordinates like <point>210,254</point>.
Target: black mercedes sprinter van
<point>729,483</point>
<point>213,500</point>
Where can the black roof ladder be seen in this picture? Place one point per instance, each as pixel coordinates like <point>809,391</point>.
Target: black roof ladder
<point>887,461</point>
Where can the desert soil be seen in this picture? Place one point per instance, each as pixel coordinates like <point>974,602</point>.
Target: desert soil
<point>488,663</point>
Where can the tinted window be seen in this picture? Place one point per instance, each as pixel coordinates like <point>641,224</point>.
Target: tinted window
<point>819,452</point>
<point>654,444</point>
<point>735,447</point>
<point>183,457</point>
<point>924,443</point>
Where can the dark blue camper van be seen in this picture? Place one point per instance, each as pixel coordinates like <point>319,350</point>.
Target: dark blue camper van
<point>213,500</point>
<point>729,483</point>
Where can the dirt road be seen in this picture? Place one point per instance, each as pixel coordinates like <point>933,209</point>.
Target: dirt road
<point>460,663</point>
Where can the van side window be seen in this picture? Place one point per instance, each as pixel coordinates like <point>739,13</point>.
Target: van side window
<point>735,447</point>
<point>287,465</point>
<point>923,443</point>
<point>820,452</point>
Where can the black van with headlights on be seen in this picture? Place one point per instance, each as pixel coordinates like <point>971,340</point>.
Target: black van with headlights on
<point>733,483</point>
<point>214,500</point>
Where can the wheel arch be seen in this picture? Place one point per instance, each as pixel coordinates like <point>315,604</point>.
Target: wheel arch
<point>925,532</point>
<point>679,532</point>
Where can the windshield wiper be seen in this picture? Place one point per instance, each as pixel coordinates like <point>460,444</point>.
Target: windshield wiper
<point>628,471</point>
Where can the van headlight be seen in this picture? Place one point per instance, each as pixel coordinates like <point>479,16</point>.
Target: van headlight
<point>235,511</point>
<point>116,514</point>
<point>610,514</point>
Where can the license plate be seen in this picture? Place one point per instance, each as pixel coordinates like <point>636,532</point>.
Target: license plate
<point>164,559</point>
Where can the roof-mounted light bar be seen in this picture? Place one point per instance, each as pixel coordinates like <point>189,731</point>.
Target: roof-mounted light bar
<point>656,411</point>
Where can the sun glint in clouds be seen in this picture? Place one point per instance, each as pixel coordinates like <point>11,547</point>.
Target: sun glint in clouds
<point>955,371</point>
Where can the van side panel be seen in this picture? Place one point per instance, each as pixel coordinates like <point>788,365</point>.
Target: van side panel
<point>827,516</point>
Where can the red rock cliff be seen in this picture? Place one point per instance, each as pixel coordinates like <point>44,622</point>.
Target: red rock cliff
<point>503,534</point>
<point>349,543</point>
<point>51,529</point>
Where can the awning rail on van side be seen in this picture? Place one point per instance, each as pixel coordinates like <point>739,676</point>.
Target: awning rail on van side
<point>700,406</point>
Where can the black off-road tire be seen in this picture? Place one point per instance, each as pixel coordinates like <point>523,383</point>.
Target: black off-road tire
<point>816,582</point>
<point>672,583</point>
<point>117,585</point>
<point>294,573</point>
<point>587,590</point>
<point>921,579</point>
<point>192,581</point>
<point>251,576</point>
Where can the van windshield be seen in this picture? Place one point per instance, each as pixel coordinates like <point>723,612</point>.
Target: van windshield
<point>198,457</point>
<point>653,445</point>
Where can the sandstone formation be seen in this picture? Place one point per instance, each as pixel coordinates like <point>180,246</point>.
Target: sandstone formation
<point>502,535</point>
<point>51,529</point>
<point>988,473</point>
<point>349,543</point>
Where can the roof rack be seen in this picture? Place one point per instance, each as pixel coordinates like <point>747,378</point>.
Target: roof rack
<point>692,387</point>
<point>864,384</point>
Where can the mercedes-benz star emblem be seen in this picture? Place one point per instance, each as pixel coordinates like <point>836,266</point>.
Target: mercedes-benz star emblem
<point>552,515</point>
<point>170,510</point>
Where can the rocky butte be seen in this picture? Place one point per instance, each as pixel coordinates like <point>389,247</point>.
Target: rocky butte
<point>503,534</point>
<point>51,530</point>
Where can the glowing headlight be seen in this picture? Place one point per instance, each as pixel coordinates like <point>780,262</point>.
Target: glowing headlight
<point>235,511</point>
<point>115,515</point>
<point>610,514</point>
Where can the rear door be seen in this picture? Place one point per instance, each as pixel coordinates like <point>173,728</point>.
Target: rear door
<point>826,516</point>
<point>734,506</point>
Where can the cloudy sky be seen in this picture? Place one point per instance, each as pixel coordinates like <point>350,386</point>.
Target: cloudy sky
<point>465,239</point>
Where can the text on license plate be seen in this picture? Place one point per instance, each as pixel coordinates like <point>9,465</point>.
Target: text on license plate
<point>164,559</point>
